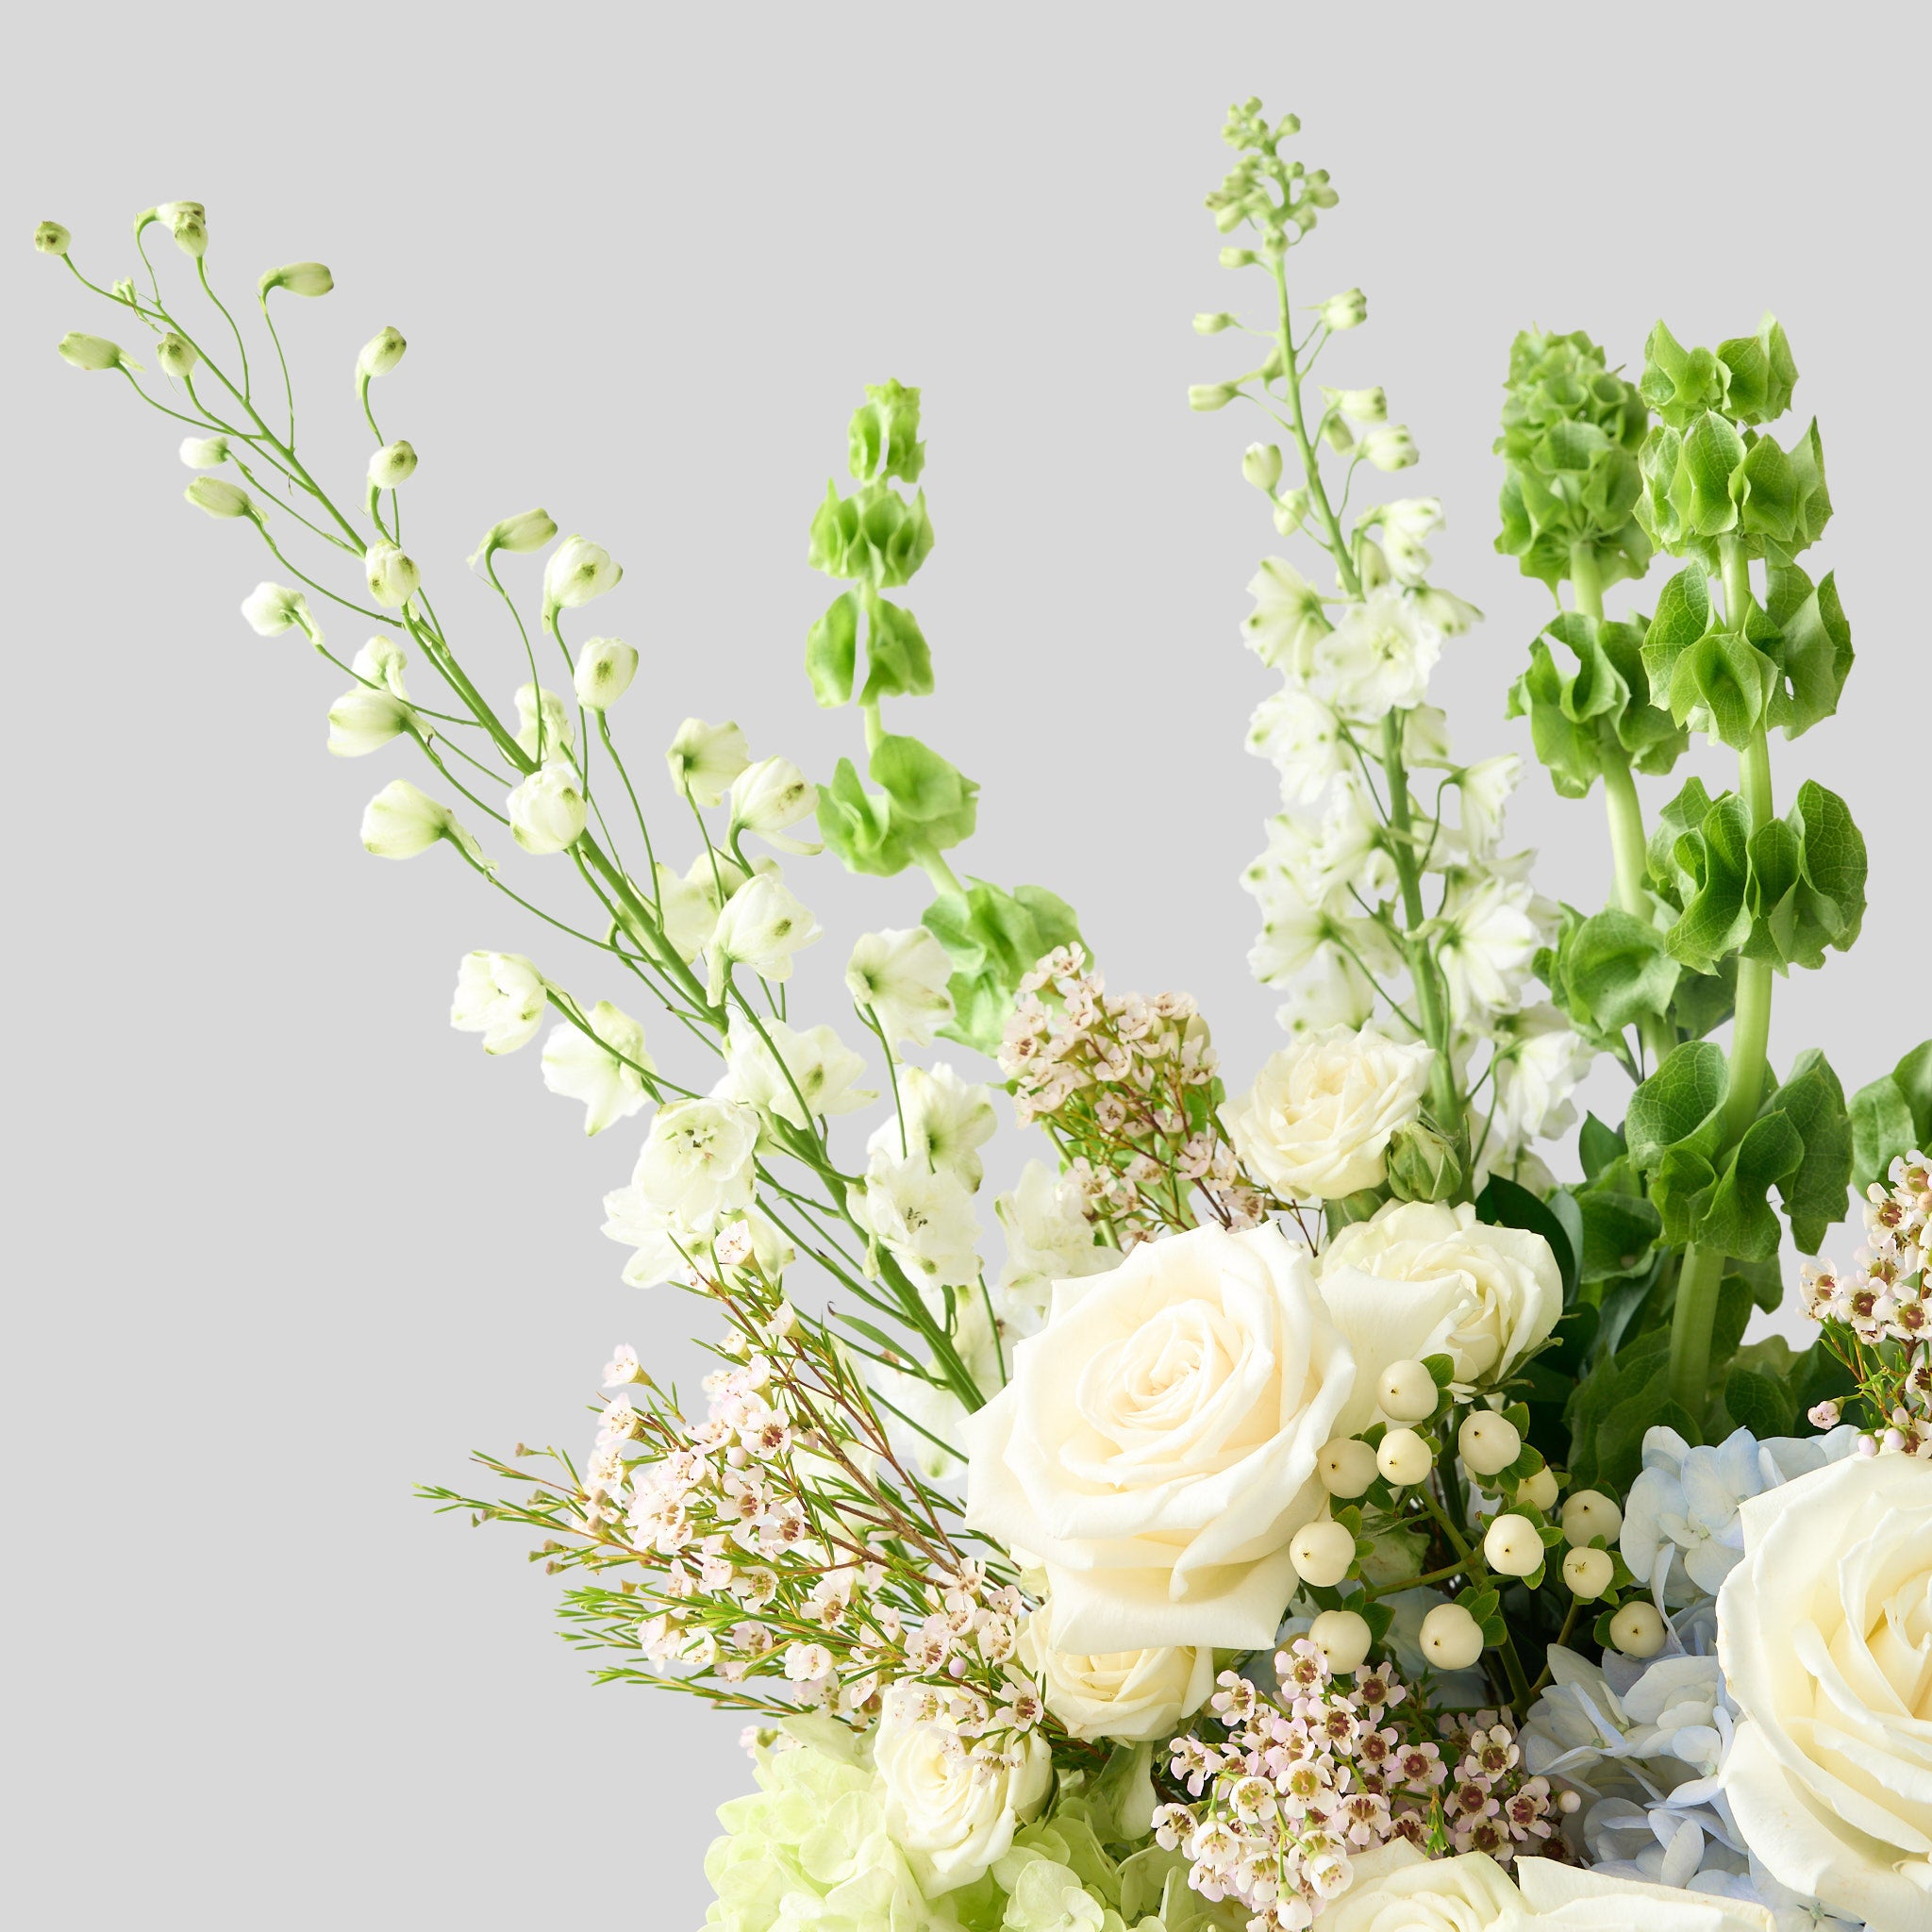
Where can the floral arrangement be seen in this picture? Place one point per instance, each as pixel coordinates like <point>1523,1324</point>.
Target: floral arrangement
<point>1322,1515</point>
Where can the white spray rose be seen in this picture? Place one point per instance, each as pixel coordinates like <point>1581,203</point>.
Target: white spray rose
<point>947,1120</point>
<point>762,926</point>
<point>706,758</point>
<point>1048,1240</point>
<point>1135,1696</point>
<point>1156,1447</point>
<point>1288,619</point>
<point>1824,1631</point>
<point>606,1076</point>
<point>500,995</point>
<point>924,1219</point>
<point>901,976</point>
<point>1318,1122</point>
<point>1508,1289</point>
<point>770,795</point>
<point>547,811</point>
<point>953,1814</point>
<point>271,608</point>
<point>604,669</point>
<point>1396,1889</point>
<point>1379,657</point>
<point>814,1066</point>
<point>575,572</point>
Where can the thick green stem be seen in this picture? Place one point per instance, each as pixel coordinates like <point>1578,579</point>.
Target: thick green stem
<point>1690,1325</point>
<point>1629,854</point>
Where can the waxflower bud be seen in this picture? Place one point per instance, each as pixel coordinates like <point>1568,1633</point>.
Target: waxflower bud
<point>298,278</point>
<point>547,812</point>
<point>1212,395</point>
<point>1346,1467</point>
<point>1323,1553</point>
<point>1403,1457</point>
<point>1589,1514</point>
<point>1407,1392</point>
<point>50,237</point>
<point>604,669</point>
<point>1343,1638</point>
<point>1204,325</point>
<point>1391,448</point>
<point>1638,1629</point>
<point>92,352</point>
<point>381,353</point>
<point>531,531</point>
<point>177,354</point>
<point>1587,1572</point>
<point>1347,310</point>
<point>1261,465</point>
<point>393,464</point>
<point>271,608</point>
<point>204,452</point>
<point>392,577</point>
<point>218,498</point>
<point>1513,1547</point>
<point>1451,1639</point>
<point>576,572</point>
<point>1488,1442</point>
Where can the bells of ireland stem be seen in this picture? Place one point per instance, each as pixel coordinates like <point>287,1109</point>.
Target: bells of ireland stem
<point>529,530</point>
<point>392,577</point>
<point>379,355</point>
<point>547,812</point>
<point>393,464</point>
<point>177,354</point>
<point>50,237</point>
<point>604,669</point>
<point>92,353</point>
<point>299,277</point>
<point>219,499</point>
<point>577,571</point>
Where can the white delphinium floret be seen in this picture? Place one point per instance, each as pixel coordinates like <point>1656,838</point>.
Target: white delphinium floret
<point>204,452</point>
<point>221,500</point>
<point>604,669</point>
<point>364,720</point>
<point>697,1160</point>
<point>1301,736</point>
<point>380,353</point>
<point>813,1066</point>
<point>606,1074</point>
<point>394,464</point>
<point>1483,789</point>
<point>1541,1060</point>
<point>1288,620</point>
<point>271,608</point>
<point>688,912</point>
<point>392,577</point>
<point>923,1219</point>
<point>946,1121</point>
<point>575,572</point>
<point>1407,526</point>
<point>706,758</point>
<point>547,811</point>
<point>768,796</point>
<point>400,821</point>
<point>901,975</point>
<point>1049,1239</point>
<point>1379,657</point>
<point>500,995</point>
<point>528,529</point>
<point>1485,940</point>
<point>763,927</point>
<point>559,733</point>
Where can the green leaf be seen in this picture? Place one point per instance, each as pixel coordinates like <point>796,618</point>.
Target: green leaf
<point>1737,1218</point>
<point>859,827</point>
<point>897,663</point>
<point>883,437</point>
<point>1722,684</point>
<point>1709,867</point>
<point>831,651</point>
<point>1814,1194</point>
<point>1701,488</point>
<point>1679,383</point>
<point>1679,1104</point>
<point>1765,488</point>
<point>1758,1404</point>
<point>1830,893</point>
<point>874,536</point>
<point>994,939</point>
<point>928,793</point>
<point>1683,616</point>
<point>1760,373</point>
<point>1617,965</point>
<point>1914,1077</point>
<point>1892,1116</point>
<point>1807,459</point>
<point>1619,1225</point>
<point>1815,647</point>
<point>1597,1146</point>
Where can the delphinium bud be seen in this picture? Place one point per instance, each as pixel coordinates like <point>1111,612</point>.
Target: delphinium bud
<point>271,608</point>
<point>1348,310</point>
<point>204,452</point>
<point>1212,395</point>
<point>1391,448</point>
<point>1290,511</point>
<point>400,821</point>
<point>298,278</point>
<point>547,811</point>
<point>393,464</point>
<point>705,759</point>
<point>604,669</point>
<point>1261,465</point>
<point>219,499</point>
<point>381,353</point>
<point>92,352</point>
<point>577,571</point>
<point>188,223</point>
<point>50,237</point>
<point>1323,1553</point>
<point>392,577</point>
<point>177,354</point>
<point>529,530</point>
<point>1365,405</point>
<point>1209,324</point>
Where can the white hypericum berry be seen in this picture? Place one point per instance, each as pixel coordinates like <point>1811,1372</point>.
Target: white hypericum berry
<point>1590,1514</point>
<point>1511,1545</point>
<point>1488,1442</point>
<point>1587,1572</point>
<point>1407,1392</point>
<point>1343,1638</point>
<point>1345,1466</point>
<point>1539,1491</point>
<point>1638,1629</point>
<point>1323,1553</point>
<point>1403,1457</point>
<point>1451,1639</point>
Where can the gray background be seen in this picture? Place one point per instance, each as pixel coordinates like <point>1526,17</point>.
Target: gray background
<point>282,1242</point>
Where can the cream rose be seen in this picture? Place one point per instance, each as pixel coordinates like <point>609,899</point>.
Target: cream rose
<point>1396,1889</point>
<point>1510,1290</point>
<point>1135,1696</point>
<point>1824,1631</point>
<point>952,1813</point>
<point>1318,1122</point>
<point>1155,1446</point>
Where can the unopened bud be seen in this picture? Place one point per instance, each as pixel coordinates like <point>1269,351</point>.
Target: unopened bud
<point>50,237</point>
<point>1237,257</point>
<point>204,452</point>
<point>1290,511</point>
<point>1423,1165</point>
<point>530,531</point>
<point>768,796</point>
<point>604,669</point>
<point>190,230</point>
<point>544,730</point>
<point>1345,311</point>
<point>1391,446</point>
<point>392,577</point>
<point>400,821</point>
<point>92,352</point>
<point>271,608</point>
<point>577,571</point>
<point>362,721</point>
<point>1212,395</point>
<point>393,464</point>
<point>706,758</point>
<point>1204,325</point>
<point>1336,434</point>
<point>547,812</point>
<point>298,278</point>
<point>381,353</point>
<point>177,354</point>
<point>218,498</point>
<point>1261,465</point>
<point>1361,404</point>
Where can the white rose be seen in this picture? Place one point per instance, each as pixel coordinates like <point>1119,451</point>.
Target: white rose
<point>1155,1446</point>
<point>952,1813</point>
<point>1396,1889</point>
<point>1510,1290</point>
<point>1318,1122</point>
<point>1137,1696</point>
<point>1824,1631</point>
